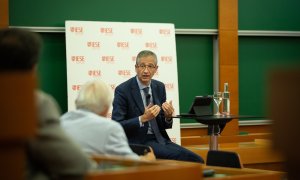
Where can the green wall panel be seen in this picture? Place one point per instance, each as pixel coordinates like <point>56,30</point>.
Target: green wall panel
<point>52,68</point>
<point>184,14</point>
<point>195,69</point>
<point>269,15</point>
<point>257,57</point>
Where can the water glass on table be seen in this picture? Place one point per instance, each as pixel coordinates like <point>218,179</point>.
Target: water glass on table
<point>218,97</point>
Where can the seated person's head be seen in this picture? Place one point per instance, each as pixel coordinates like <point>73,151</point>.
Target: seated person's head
<point>19,49</point>
<point>95,96</point>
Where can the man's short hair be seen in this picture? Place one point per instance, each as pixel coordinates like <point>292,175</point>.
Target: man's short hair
<point>145,53</point>
<point>19,49</point>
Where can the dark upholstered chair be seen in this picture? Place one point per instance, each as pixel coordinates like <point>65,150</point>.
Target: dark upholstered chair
<point>224,159</point>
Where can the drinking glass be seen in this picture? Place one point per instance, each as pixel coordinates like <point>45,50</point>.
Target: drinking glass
<point>218,96</point>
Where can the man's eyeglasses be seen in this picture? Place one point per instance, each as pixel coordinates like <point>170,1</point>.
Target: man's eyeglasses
<point>144,66</point>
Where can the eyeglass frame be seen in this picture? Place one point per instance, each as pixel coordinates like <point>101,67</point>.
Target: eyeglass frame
<point>144,66</point>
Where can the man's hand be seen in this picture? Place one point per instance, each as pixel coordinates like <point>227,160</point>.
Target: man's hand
<point>149,156</point>
<point>168,109</point>
<point>151,111</point>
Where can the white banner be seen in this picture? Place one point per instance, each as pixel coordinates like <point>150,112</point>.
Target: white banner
<point>107,50</point>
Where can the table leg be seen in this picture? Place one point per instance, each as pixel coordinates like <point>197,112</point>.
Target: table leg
<point>213,131</point>
<point>213,142</point>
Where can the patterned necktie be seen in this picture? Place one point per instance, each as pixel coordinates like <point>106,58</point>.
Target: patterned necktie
<point>153,122</point>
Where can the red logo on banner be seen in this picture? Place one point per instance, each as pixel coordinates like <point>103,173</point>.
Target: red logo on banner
<point>123,44</point>
<point>136,31</point>
<point>78,59</point>
<point>165,31</point>
<point>124,73</point>
<point>76,87</point>
<point>106,30</point>
<point>76,29</point>
<point>133,58</point>
<point>151,45</point>
<point>108,59</point>
<point>94,73</point>
<point>169,86</point>
<point>166,59</point>
<point>93,44</point>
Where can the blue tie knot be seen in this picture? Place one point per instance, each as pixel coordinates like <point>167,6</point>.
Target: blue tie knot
<point>146,90</point>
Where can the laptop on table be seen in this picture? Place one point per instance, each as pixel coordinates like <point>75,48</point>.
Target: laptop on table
<point>201,106</point>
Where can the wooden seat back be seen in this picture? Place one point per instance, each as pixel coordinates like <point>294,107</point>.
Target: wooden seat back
<point>18,121</point>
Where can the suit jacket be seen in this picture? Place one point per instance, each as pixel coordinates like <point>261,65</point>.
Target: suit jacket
<point>128,106</point>
<point>52,154</point>
<point>96,134</point>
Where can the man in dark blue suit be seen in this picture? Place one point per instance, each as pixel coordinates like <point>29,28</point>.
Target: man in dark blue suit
<point>140,107</point>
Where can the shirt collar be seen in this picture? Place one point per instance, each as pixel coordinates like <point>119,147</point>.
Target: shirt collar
<point>141,86</point>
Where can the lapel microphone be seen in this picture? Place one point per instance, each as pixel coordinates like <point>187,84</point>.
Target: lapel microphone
<point>148,96</point>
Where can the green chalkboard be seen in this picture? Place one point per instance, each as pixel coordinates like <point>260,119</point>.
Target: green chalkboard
<point>197,14</point>
<point>269,15</point>
<point>184,14</point>
<point>195,69</point>
<point>52,68</point>
<point>257,57</point>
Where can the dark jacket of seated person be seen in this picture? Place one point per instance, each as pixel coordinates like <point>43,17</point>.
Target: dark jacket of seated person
<point>141,108</point>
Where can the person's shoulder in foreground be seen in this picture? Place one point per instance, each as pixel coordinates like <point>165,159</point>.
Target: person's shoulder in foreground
<point>51,154</point>
<point>52,151</point>
<point>91,128</point>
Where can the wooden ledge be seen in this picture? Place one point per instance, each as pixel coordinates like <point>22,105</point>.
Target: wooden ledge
<point>198,140</point>
<point>255,154</point>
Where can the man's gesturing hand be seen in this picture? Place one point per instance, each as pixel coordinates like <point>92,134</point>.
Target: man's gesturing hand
<point>151,111</point>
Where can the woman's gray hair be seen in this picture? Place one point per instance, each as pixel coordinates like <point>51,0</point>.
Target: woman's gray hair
<point>145,53</point>
<point>94,96</point>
